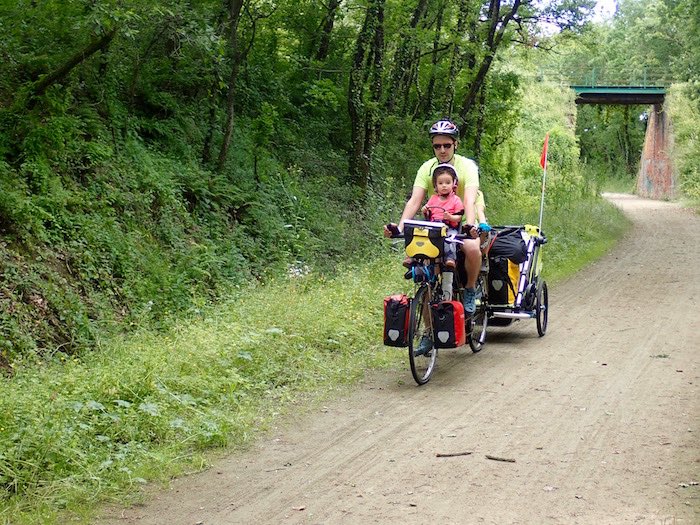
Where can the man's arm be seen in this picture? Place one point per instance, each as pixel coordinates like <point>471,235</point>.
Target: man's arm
<point>409,210</point>
<point>412,205</point>
<point>469,198</point>
<point>481,214</point>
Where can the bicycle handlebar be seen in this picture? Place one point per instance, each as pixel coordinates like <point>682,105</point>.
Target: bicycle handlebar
<point>429,214</point>
<point>454,238</point>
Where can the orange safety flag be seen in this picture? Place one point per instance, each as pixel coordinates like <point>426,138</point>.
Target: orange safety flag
<point>543,159</point>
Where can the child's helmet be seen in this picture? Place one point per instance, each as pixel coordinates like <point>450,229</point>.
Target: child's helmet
<point>445,167</point>
<point>444,127</point>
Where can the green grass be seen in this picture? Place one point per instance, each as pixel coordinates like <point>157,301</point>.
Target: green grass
<point>79,432</point>
<point>75,432</point>
<point>580,234</point>
<point>620,184</point>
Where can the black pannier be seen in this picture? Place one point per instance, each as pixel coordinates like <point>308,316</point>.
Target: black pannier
<point>396,318</point>
<point>448,324</point>
<point>501,285</point>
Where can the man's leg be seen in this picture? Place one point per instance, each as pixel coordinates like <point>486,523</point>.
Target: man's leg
<point>472,263</point>
<point>472,260</point>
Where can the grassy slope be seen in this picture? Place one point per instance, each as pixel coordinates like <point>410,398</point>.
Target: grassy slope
<point>74,433</point>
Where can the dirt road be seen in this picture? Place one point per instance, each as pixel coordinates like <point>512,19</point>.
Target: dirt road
<point>601,417</point>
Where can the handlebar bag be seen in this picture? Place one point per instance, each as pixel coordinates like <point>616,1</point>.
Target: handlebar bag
<point>396,316</point>
<point>424,239</point>
<point>448,324</point>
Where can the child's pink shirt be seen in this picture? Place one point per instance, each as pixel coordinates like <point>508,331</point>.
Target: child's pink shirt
<point>452,205</point>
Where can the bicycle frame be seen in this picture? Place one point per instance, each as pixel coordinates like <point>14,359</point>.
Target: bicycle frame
<point>426,241</point>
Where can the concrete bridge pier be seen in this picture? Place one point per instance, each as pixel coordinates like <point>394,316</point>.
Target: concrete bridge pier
<point>657,177</point>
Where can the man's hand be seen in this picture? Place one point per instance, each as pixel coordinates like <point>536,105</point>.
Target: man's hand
<point>391,230</point>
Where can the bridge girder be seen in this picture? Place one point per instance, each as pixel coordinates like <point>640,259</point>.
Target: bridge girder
<point>624,95</point>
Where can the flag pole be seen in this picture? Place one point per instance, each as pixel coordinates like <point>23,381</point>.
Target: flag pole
<point>543,163</point>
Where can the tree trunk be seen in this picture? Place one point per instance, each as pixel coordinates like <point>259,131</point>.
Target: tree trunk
<point>59,74</point>
<point>212,99</point>
<point>497,28</point>
<point>140,59</point>
<point>428,104</point>
<point>411,80</point>
<point>373,125</point>
<point>627,141</point>
<point>209,137</point>
<point>367,63</point>
<point>456,58</point>
<point>356,106</point>
<point>326,30</point>
<point>401,74</point>
<point>480,122</point>
<point>235,7</point>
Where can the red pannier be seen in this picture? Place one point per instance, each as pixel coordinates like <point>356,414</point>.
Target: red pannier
<point>396,315</point>
<point>448,324</point>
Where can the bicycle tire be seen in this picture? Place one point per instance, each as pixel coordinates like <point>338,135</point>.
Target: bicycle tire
<point>542,305</point>
<point>476,323</point>
<point>422,362</point>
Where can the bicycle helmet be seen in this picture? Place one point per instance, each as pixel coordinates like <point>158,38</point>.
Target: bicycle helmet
<point>444,127</point>
<point>443,168</point>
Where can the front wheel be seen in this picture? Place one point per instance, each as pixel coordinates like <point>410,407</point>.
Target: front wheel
<point>476,323</point>
<point>542,305</point>
<point>421,352</point>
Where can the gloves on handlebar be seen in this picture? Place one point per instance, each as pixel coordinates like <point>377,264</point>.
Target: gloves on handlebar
<point>484,227</point>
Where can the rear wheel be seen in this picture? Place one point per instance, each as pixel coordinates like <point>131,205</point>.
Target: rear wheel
<point>476,323</point>
<point>542,305</point>
<point>421,352</point>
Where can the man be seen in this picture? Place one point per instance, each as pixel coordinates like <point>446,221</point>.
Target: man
<point>444,135</point>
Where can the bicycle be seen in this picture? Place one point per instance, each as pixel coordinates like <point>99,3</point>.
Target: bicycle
<point>476,322</point>
<point>424,244</point>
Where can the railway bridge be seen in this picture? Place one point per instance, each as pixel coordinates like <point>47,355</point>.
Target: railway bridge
<point>657,175</point>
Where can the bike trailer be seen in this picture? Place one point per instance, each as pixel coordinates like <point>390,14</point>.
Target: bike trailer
<point>514,268</point>
<point>396,318</point>
<point>424,239</point>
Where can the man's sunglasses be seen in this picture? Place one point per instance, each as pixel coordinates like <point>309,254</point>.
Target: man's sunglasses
<point>443,146</point>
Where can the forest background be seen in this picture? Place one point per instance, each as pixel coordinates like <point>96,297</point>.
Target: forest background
<point>184,171</point>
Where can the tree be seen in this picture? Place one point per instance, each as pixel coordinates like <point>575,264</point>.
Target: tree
<point>404,59</point>
<point>365,92</point>
<point>234,17</point>
<point>324,40</point>
<point>497,23</point>
<point>456,57</point>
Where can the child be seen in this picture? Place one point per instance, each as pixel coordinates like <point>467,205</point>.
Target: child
<point>447,207</point>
